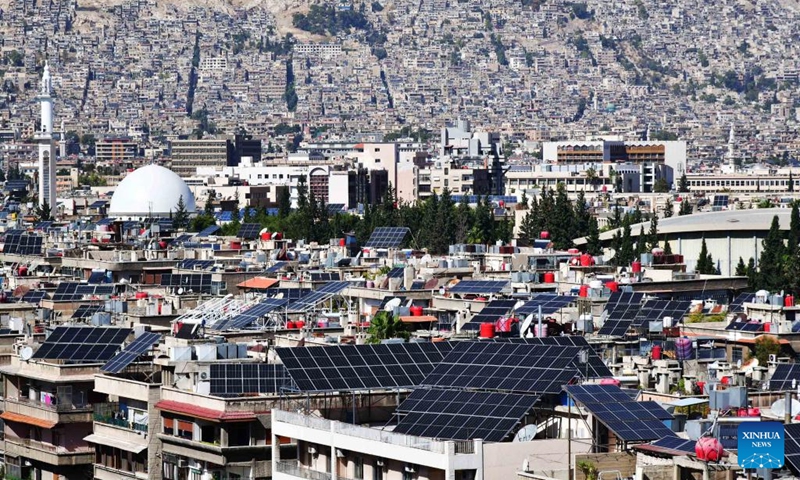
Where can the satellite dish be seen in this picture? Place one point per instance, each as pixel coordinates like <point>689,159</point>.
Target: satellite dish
<point>608,254</point>
<point>26,353</point>
<point>526,433</point>
<point>779,407</point>
<point>180,291</point>
<point>392,304</point>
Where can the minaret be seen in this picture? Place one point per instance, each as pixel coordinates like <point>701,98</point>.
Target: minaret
<point>62,142</point>
<point>47,152</point>
<point>731,145</point>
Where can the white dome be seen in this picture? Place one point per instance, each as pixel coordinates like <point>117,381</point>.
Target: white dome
<point>150,191</point>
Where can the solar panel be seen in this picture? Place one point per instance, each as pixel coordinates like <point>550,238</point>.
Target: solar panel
<point>737,305</point>
<point>620,315</point>
<point>785,374</point>
<point>417,285</point>
<point>86,311</point>
<point>236,380</point>
<point>289,293</point>
<point>208,231</point>
<point>191,264</point>
<point>626,298</point>
<point>251,315</point>
<point>396,272</point>
<point>130,225</point>
<point>334,208</point>
<point>323,276</point>
<point>677,444</point>
<point>181,239</point>
<point>105,221</point>
<point>594,368</point>
<point>249,231</point>
<point>22,244</point>
<point>490,313</point>
<point>791,447</point>
<point>276,267</point>
<point>43,226</point>
<point>550,304</point>
<point>657,410</point>
<point>479,286</point>
<point>82,344</point>
<point>131,352</point>
<point>631,421</point>
<point>361,367</point>
<point>34,296</point>
<point>333,287</point>
<point>720,201</point>
<point>656,309</point>
<point>98,277</point>
<point>387,237</point>
<point>456,415</point>
<point>746,326</point>
<point>98,204</point>
<point>194,282</point>
<point>505,366</point>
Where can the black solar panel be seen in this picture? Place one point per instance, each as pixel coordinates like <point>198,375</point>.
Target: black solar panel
<point>323,276</point>
<point>677,444</point>
<point>594,368</point>
<point>784,374</point>
<point>313,298</point>
<point>98,277</point>
<point>249,231</point>
<point>361,367</point>
<point>289,293</point>
<point>625,298</point>
<point>43,226</point>
<point>791,446</point>
<point>396,272</point>
<point>22,243</point>
<point>631,421</point>
<point>191,264</point>
<point>387,237</point>
<point>621,314</point>
<point>86,311</point>
<point>236,380</point>
<point>195,282</point>
<point>657,410</point>
<point>251,315</point>
<point>656,309</point>
<point>131,352</point>
<point>334,208</point>
<point>34,296</point>
<point>720,201</point>
<point>456,415</point>
<point>208,231</point>
<point>490,313</point>
<point>550,304</point>
<point>82,344</point>
<point>737,305</point>
<point>479,286</point>
<point>746,326</point>
<point>276,267</point>
<point>505,366</point>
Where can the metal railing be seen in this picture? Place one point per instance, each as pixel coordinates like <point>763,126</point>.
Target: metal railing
<point>110,414</point>
<point>55,406</point>
<point>50,448</point>
<point>293,468</point>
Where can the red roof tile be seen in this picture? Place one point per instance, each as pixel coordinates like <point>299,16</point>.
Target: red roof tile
<point>204,413</point>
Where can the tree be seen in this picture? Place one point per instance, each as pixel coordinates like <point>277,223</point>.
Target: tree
<point>683,184</point>
<point>284,203</point>
<point>794,230</point>
<point>790,188</point>
<point>652,235</point>
<point>765,346</point>
<point>686,208</point>
<point>593,246</point>
<point>181,217</point>
<point>43,213</point>
<point>667,247</point>
<point>741,268</point>
<point>641,243</point>
<point>661,186</point>
<point>208,209</point>
<point>770,264</point>
<point>752,274</point>
<point>669,208</point>
<point>705,263</point>
<point>463,220</point>
<point>385,325</point>
<point>626,251</point>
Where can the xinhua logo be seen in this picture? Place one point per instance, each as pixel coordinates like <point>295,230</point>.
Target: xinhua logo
<point>760,445</point>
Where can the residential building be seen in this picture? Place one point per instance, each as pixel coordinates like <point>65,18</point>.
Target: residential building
<point>116,150</point>
<point>189,155</point>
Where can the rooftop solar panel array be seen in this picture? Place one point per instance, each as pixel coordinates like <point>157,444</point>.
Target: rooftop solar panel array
<point>208,231</point>
<point>191,264</point>
<point>82,344</point>
<point>290,293</point>
<point>791,447</point>
<point>131,352</point>
<point>98,277</point>
<point>655,309</point>
<point>625,298</point>
<point>478,287</point>
<point>594,368</point>
<point>86,311</point>
<point>503,366</point>
<point>324,276</point>
<point>22,244</point>
<point>248,317</point>
<point>334,208</point>
<point>631,421</point>
<point>785,374</point>
<point>249,231</point>
<point>550,304</point>
<point>396,272</point>
<point>240,379</point>
<point>490,313</point>
<point>720,201</point>
<point>457,415</point>
<point>387,237</point>
<point>361,367</point>
<point>620,317</point>
<point>677,444</point>
<point>34,296</point>
<point>737,305</point>
<point>72,291</point>
<point>276,267</point>
<point>746,326</point>
<point>196,282</point>
<point>315,297</point>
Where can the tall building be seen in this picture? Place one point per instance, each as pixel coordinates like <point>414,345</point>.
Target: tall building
<point>116,150</point>
<point>46,141</point>
<point>187,155</point>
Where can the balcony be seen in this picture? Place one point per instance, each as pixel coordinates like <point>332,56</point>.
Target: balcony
<point>55,412</point>
<point>48,453</point>
<point>292,469</point>
<point>110,414</point>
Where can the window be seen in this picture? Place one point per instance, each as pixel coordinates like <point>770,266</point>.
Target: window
<point>358,468</point>
<point>736,354</point>
<point>377,470</point>
<point>408,475</point>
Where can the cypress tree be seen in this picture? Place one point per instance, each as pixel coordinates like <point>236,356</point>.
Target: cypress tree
<point>794,230</point>
<point>752,274</point>
<point>652,236</point>
<point>667,247</point>
<point>593,246</point>
<point>741,268</point>
<point>791,182</point>
<point>668,208</point>
<point>463,220</point>
<point>641,243</point>
<point>583,216</point>
<point>686,208</point>
<point>705,262</point>
<point>626,251</point>
<point>683,184</point>
<point>770,264</point>
<point>616,220</point>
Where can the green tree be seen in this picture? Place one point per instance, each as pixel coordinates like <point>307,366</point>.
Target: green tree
<point>669,208</point>
<point>667,246</point>
<point>661,186</point>
<point>652,235</point>
<point>794,230</point>
<point>686,208</point>
<point>683,184</point>
<point>284,203</point>
<point>384,326</point>
<point>463,220</point>
<point>43,212</point>
<point>626,251</point>
<point>208,208</point>
<point>641,243</point>
<point>741,268</point>
<point>581,216</point>
<point>593,246</point>
<point>770,264</point>
<point>705,263</point>
<point>790,187</point>
<point>181,217</point>
<point>766,345</point>
<point>752,274</point>
<point>562,227</point>
<point>483,228</point>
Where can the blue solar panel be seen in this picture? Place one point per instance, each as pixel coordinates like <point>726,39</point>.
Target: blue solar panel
<point>677,444</point>
<point>387,237</point>
<point>209,231</point>
<point>98,277</point>
<point>105,221</point>
<point>479,286</point>
<point>276,267</point>
<point>249,231</point>
<point>98,204</point>
<point>396,272</point>
<point>737,305</point>
<point>224,216</point>
<point>131,352</point>
<point>550,304</point>
<point>251,315</point>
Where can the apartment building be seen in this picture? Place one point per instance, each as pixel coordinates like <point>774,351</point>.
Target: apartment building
<point>116,150</point>
<point>188,155</point>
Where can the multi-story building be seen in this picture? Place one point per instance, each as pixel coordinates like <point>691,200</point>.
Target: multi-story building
<point>459,179</point>
<point>188,155</point>
<point>460,140</point>
<point>116,150</point>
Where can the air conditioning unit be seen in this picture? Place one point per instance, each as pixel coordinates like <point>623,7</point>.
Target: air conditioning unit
<point>182,463</point>
<point>380,462</point>
<point>203,375</point>
<point>312,450</point>
<point>410,468</point>
<point>773,358</point>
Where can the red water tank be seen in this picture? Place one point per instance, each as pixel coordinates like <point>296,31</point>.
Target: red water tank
<point>544,235</point>
<point>480,299</point>
<point>487,330</point>
<point>767,327</point>
<point>236,245</point>
<point>573,251</point>
<point>140,295</point>
<point>266,236</point>
<point>159,309</point>
<point>701,386</point>
<point>501,204</point>
<point>725,380</point>
<point>277,236</point>
<point>549,277</point>
<point>23,271</point>
<point>788,301</point>
<point>610,381</point>
<point>584,290</point>
<point>586,260</point>
<point>708,449</point>
<point>416,311</point>
<point>656,352</point>
<point>613,286</point>
<point>291,325</point>
<point>636,267</point>
<point>162,244</point>
<point>342,242</point>
<point>753,412</point>
<point>300,324</point>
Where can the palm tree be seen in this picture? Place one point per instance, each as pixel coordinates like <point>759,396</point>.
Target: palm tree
<point>384,325</point>
<point>591,176</point>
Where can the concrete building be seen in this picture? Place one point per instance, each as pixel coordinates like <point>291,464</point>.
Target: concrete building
<point>116,150</point>
<point>460,140</point>
<point>188,155</point>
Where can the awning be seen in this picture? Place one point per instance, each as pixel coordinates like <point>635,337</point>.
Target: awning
<point>116,443</point>
<point>420,319</point>
<point>686,402</point>
<point>204,413</point>
<point>36,422</point>
<point>259,283</point>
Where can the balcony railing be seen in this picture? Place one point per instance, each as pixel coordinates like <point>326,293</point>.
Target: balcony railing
<point>293,468</point>
<point>110,414</point>
<point>55,405</point>
<point>50,448</point>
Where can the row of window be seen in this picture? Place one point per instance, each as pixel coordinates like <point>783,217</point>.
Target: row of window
<point>739,183</point>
